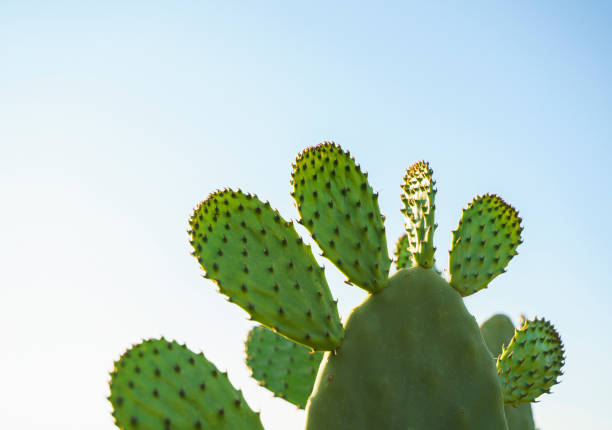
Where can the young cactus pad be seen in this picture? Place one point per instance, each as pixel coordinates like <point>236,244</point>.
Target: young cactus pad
<point>531,363</point>
<point>497,331</point>
<point>258,260</point>
<point>282,366</point>
<point>161,385</point>
<point>419,209</point>
<point>403,257</point>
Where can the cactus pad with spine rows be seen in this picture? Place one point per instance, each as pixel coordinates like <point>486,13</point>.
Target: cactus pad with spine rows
<point>531,363</point>
<point>403,257</point>
<point>258,260</point>
<point>340,210</point>
<point>161,385</point>
<point>282,366</point>
<point>485,241</point>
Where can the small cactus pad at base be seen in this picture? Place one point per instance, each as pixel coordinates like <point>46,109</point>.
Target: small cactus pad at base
<point>340,210</point>
<point>403,257</point>
<point>161,385</point>
<point>530,364</point>
<point>485,241</point>
<point>258,260</point>
<point>419,209</point>
<point>498,331</point>
<point>282,366</point>
<point>412,358</point>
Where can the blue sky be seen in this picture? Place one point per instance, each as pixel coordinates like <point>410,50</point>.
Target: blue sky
<point>116,118</point>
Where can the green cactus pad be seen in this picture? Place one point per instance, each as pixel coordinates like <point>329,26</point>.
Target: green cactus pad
<point>530,364</point>
<point>258,260</point>
<point>282,366</point>
<point>403,257</point>
<point>419,209</point>
<point>485,241</point>
<point>339,208</point>
<point>160,385</point>
<point>412,358</point>
<point>497,331</point>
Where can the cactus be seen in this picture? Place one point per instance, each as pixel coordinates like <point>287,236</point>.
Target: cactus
<point>410,356</point>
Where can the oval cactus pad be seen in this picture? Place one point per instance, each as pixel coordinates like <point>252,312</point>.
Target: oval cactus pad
<point>282,366</point>
<point>258,260</point>
<point>485,241</point>
<point>160,385</point>
<point>340,210</point>
<point>530,364</point>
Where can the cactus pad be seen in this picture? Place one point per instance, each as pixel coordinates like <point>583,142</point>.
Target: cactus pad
<point>258,260</point>
<point>282,366</point>
<point>412,358</point>
<point>498,331</point>
<point>339,208</point>
<point>485,241</point>
<point>530,364</point>
<point>419,209</point>
<point>159,385</point>
<point>403,257</point>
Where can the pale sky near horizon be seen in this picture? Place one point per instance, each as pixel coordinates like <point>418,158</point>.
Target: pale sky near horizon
<point>117,118</point>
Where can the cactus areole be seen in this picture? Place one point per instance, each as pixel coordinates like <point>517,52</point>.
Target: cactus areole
<point>409,357</point>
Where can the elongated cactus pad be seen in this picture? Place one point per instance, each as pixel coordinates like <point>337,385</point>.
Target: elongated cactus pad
<point>282,366</point>
<point>340,210</point>
<point>486,240</point>
<point>419,209</point>
<point>160,385</point>
<point>403,257</point>
<point>258,260</point>
<point>498,331</point>
<point>412,358</point>
<point>530,365</point>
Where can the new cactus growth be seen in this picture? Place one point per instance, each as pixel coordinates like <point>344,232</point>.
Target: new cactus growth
<point>411,355</point>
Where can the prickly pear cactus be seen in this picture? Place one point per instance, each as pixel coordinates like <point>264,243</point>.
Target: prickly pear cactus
<point>410,356</point>
<point>497,332</point>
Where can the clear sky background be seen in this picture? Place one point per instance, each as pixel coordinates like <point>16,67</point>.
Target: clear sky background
<point>117,118</point>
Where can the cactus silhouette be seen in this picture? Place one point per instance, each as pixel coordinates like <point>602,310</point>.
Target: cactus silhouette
<point>410,356</point>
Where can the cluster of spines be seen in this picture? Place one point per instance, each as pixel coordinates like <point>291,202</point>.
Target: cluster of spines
<point>162,385</point>
<point>419,209</point>
<point>531,363</point>
<point>260,262</point>
<point>485,241</point>
<point>285,368</point>
<point>340,210</point>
